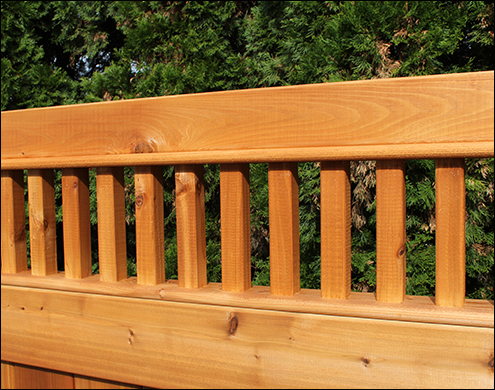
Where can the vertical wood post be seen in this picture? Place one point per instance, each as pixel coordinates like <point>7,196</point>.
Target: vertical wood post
<point>112,254</point>
<point>191,233</point>
<point>42,224</point>
<point>236,227</point>
<point>283,198</point>
<point>450,242</point>
<point>390,231</point>
<point>150,238</point>
<point>77,225</point>
<point>14,250</point>
<point>335,230</point>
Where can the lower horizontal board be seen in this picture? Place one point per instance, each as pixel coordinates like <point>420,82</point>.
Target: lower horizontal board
<point>186,345</point>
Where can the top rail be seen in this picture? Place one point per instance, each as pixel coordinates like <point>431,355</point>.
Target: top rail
<point>402,118</point>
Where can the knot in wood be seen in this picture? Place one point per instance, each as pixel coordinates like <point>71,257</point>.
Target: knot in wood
<point>402,251</point>
<point>143,148</point>
<point>74,185</point>
<point>233,325</point>
<point>139,200</point>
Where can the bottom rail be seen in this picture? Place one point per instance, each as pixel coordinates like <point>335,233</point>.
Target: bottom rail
<point>171,344</point>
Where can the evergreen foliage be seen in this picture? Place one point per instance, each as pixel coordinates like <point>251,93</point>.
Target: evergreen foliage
<point>66,52</point>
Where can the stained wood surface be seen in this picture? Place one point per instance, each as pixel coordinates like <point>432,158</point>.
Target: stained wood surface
<point>77,225</point>
<point>8,375</point>
<point>191,234</point>
<point>112,254</point>
<point>165,344</point>
<point>476,312</point>
<point>450,239</point>
<point>236,227</point>
<point>390,231</point>
<point>150,236</point>
<point>19,376</point>
<point>84,382</point>
<point>335,229</point>
<point>417,117</point>
<point>283,209</point>
<point>42,229</point>
<point>13,219</point>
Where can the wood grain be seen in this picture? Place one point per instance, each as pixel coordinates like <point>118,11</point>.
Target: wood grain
<point>13,219</point>
<point>150,236</point>
<point>236,227</point>
<point>84,382</point>
<point>112,253</point>
<point>29,377</point>
<point>76,221</point>
<point>450,239</point>
<point>191,234</point>
<point>165,344</point>
<point>283,204</point>
<point>335,229</point>
<point>390,231</point>
<point>42,228</point>
<point>476,312</point>
<point>8,375</point>
<point>390,118</point>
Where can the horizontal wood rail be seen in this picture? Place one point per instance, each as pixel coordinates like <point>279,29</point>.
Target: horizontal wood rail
<point>151,331</point>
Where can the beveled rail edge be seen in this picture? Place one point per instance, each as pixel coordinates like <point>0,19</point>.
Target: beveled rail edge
<point>478,313</point>
<point>324,153</point>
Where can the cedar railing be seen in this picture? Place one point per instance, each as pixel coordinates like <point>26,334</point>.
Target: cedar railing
<point>150,331</point>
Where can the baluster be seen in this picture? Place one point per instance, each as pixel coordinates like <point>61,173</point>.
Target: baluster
<point>77,226</point>
<point>335,230</point>
<point>150,239</point>
<point>450,241</point>
<point>112,255</point>
<point>236,227</point>
<point>283,197</point>
<point>390,231</point>
<point>191,234</point>
<point>42,226</point>
<point>14,250</point>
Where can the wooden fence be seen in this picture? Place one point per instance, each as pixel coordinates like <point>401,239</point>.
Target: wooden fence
<point>75,329</point>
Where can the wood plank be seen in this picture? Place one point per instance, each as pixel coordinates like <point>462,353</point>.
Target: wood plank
<point>236,227</point>
<point>283,209</point>
<point>14,250</point>
<point>191,234</point>
<point>164,344</point>
<point>335,229</point>
<point>112,252</point>
<point>85,382</point>
<point>76,221</point>
<point>406,116</point>
<point>331,153</point>
<point>150,237</point>
<point>29,377</point>
<point>42,224</point>
<point>476,312</point>
<point>390,231</point>
<point>450,239</point>
<point>7,377</point>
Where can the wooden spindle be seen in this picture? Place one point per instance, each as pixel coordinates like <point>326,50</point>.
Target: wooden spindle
<point>191,233</point>
<point>236,227</point>
<point>112,254</point>
<point>283,197</point>
<point>14,250</point>
<point>77,226</point>
<point>450,242</point>
<point>42,224</point>
<point>390,231</point>
<point>335,230</point>
<point>150,238</point>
